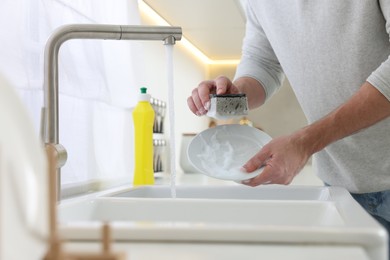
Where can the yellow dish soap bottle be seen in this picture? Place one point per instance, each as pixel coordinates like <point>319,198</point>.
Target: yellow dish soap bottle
<point>143,118</point>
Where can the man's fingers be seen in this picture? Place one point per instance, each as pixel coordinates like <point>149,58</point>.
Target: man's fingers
<point>192,106</point>
<point>265,177</point>
<point>222,85</point>
<point>257,161</point>
<point>198,102</point>
<point>225,86</point>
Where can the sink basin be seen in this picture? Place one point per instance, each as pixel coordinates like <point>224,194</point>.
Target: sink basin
<point>226,192</point>
<point>233,214</point>
<point>196,212</point>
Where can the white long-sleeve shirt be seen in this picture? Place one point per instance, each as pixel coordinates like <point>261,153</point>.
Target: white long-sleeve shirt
<point>327,50</point>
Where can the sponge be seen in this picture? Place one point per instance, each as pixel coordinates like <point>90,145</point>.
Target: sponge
<point>228,106</point>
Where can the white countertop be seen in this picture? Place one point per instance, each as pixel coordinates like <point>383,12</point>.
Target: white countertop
<point>213,251</point>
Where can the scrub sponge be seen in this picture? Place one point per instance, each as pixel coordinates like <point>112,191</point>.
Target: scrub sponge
<point>223,107</point>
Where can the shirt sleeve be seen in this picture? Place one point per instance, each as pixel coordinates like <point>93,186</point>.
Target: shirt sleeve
<point>258,59</point>
<point>380,78</point>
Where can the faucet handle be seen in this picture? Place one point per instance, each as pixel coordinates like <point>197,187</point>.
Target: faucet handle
<point>60,153</point>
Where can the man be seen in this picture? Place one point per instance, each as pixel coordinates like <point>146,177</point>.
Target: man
<point>336,57</point>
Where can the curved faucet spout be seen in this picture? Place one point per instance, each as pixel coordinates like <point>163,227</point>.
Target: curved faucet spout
<point>50,117</point>
<point>89,31</point>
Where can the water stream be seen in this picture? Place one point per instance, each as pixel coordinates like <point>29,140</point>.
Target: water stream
<point>171,111</point>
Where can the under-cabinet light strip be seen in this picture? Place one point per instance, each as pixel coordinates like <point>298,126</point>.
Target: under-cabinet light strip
<point>153,15</point>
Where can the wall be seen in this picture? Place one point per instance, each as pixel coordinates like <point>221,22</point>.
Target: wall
<point>281,114</point>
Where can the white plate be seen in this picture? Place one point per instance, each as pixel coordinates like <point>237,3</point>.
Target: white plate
<point>221,151</point>
<point>23,181</point>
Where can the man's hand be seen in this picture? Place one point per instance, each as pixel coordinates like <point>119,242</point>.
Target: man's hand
<point>283,158</point>
<point>199,101</point>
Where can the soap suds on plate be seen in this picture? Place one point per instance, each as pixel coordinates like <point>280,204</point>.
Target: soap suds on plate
<point>223,156</point>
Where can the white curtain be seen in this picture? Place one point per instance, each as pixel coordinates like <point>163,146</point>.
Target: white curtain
<point>98,81</point>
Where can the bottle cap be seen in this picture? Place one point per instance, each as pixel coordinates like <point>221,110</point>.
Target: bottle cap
<point>143,96</point>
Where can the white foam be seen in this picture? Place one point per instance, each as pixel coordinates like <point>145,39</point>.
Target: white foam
<point>223,157</point>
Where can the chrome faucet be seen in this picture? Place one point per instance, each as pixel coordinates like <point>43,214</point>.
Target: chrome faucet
<point>50,118</point>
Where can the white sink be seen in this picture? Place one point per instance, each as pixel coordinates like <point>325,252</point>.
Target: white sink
<point>226,192</point>
<point>267,214</point>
